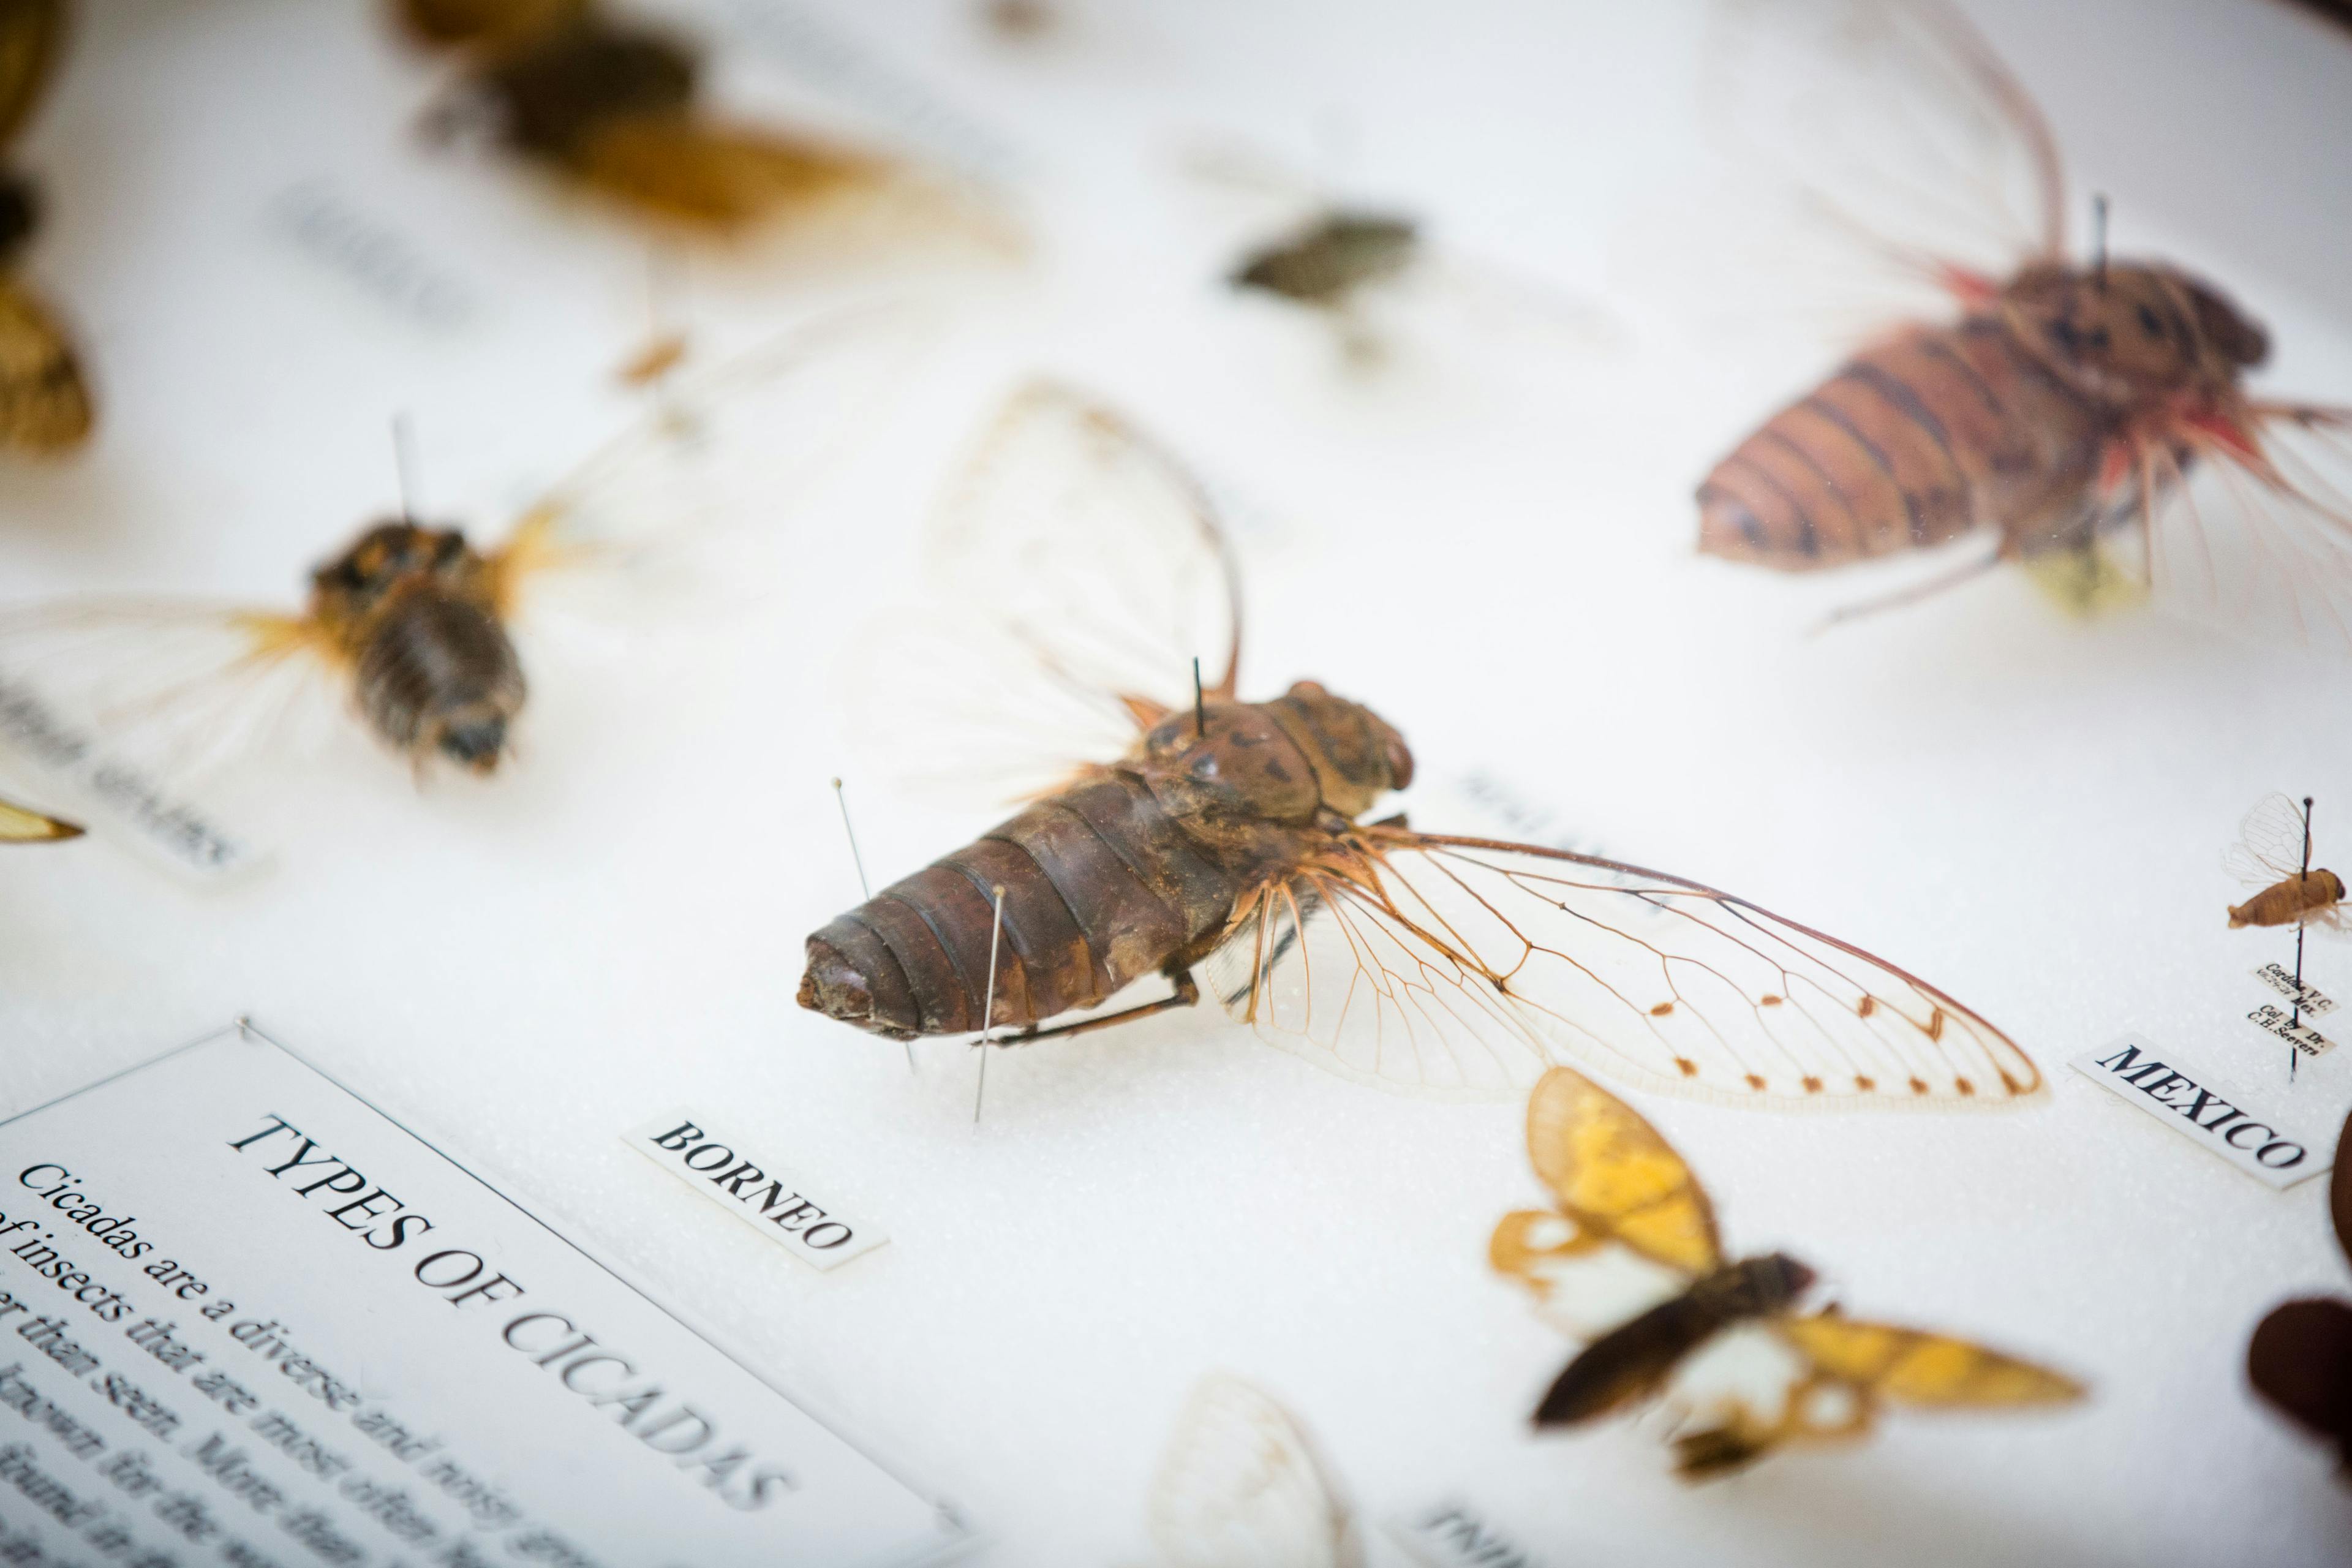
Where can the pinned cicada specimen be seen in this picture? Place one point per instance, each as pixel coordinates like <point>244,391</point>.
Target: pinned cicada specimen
<point>44,403</point>
<point>2272,859</point>
<point>413,624</point>
<point>1229,847</point>
<point>20,826</point>
<point>1632,1221</point>
<point>619,108</point>
<point>2061,405</point>
<point>1239,1485</point>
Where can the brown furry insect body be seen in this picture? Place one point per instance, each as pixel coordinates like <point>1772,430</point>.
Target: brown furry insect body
<point>1136,867</point>
<point>2031,417</point>
<point>1332,258</point>
<point>413,613</point>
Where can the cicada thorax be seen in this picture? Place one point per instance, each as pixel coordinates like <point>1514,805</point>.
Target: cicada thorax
<point>413,613</point>
<point>1136,867</point>
<point>2290,902</point>
<point>1635,1360</point>
<point>2025,417</point>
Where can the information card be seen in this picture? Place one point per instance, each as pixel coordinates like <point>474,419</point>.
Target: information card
<point>246,1318</point>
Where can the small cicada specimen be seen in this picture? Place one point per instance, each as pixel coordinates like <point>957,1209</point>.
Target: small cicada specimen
<point>2272,858</point>
<point>414,623</point>
<point>44,403</point>
<point>1230,846</point>
<point>1632,1224</point>
<point>19,825</point>
<point>2065,403</point>
<point>1324,263</point>
<point>618,108</point>
<point>1239,1485</point>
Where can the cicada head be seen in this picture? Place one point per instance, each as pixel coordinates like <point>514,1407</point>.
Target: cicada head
<point>1356,756</point>
<point>2131,336</point>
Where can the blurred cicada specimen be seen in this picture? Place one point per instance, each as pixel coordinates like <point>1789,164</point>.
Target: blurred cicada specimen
<point>413,624</point>
<point>1239,1485</point>
<point>620,109</point>
<point>19,825</point>
<point>2300,1357</point>
<point>1630,1261</point>
<point>1227,845</point>
<point>43,403</point>
<point>2273,859</point>
<point>2061,405</point>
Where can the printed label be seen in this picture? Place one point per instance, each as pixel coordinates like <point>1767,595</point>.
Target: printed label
<point>2256,1141</point>
<point>1453,1536</point>
<point>372,256</point>
<point>2276,977</point>
<point>760,1192</point>
<point>2301,1037</point>
<point>121,793</point>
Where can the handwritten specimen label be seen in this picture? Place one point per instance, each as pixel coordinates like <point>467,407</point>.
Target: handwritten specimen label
<point>246,1318</point>
<point>2256,1142</point>
<point>372,256</point>
<point>1453,1536</point>
<point>119,792</point>
<point>756,1190</point>
<point>2276,977</point>
<point>2301,1037</point>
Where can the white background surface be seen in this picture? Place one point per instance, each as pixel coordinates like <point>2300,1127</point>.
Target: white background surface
<point>1490,542</point>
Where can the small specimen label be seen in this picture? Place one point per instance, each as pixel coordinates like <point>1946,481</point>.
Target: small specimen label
<point>2301,1037</point>
<point>2276,977</point>
<point>1454,1535</point>
<point>758,1191</point>
<point>123,792</point>
<point>2256,1141</point>
<point>372,256</point>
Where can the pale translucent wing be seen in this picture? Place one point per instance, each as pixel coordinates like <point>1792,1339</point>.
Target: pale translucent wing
<point>134,709</point>
<point>726,452</point>
<point>1895,119</point>
<point>19,825</point>
<point>1451,964</point>
<point>1239,1487</point>
<point>2270,843</point>
<point>2258,539</point>
<point>1917,1368</point>
<point>1585,1282</point>
<point>1076,572</point>
<point>31,32</point>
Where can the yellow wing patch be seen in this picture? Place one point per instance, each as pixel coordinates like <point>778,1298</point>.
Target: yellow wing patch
<point>18,825</point>
<point>1922,1368</point>
<point>687,169</point>
<point>30,31</point>
<point>1615,1176</point>
<point>44,403</point>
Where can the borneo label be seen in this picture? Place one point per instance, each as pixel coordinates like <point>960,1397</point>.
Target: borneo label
<point>2256,1142</point>
<point>760,1192</point>
<point>247,1319</point>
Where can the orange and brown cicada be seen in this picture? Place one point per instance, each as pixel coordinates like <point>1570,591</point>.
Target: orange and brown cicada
<point>620,109</point>
<point>2069,404</point>
<point>1631,1261</point>
<point>45,405</point>
<point>1228,845</point>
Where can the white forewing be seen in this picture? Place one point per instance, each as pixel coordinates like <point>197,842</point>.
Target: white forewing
<point>1239,1487</point>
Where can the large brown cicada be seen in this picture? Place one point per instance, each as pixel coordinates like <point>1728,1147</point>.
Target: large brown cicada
<point>2063,406</point>
<point>1229,847</point>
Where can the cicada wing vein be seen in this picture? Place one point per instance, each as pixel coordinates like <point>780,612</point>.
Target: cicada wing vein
<point>726,455</point>
<point>2249,524</point>
<point>1454,965</point>
<point>182,693</point>
<point>2270,843</point>
<point>1239,1485</point>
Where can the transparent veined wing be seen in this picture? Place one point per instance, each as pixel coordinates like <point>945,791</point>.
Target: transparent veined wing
<point>1239,1487</point>
<point>30,33</point>
<point>133,710</point>
<point>19,825</point>
<point>1462,967</point>
<point>2270,846</point>
<point>1076,571</point>
<point>725,452</point>
<point>2249,525</point>
<point>1914,1367</point>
